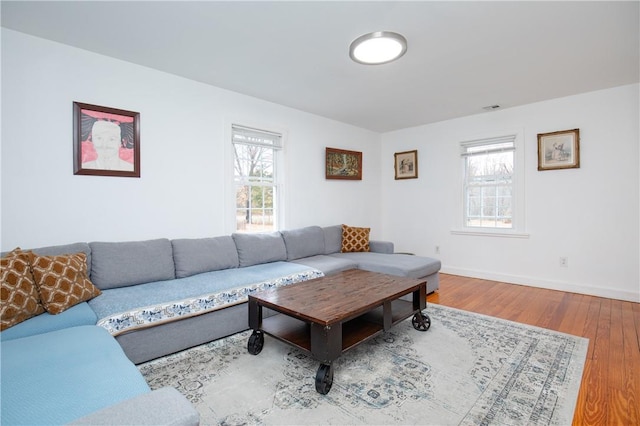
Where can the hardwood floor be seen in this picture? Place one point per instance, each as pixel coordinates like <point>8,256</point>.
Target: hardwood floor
<point>610,390</point>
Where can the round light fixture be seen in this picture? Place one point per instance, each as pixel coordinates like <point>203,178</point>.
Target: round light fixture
<point>377,48</point>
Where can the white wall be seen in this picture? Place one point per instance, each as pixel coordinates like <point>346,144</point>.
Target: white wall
<point>181,192</point>
<point>589,215</point>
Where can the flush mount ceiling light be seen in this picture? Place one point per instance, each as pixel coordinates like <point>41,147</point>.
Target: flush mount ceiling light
<point>377,48</point>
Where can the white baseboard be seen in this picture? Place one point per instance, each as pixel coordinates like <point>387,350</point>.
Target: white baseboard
<point>550,285</point>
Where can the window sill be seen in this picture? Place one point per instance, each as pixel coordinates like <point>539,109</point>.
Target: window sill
<point>490,233</point>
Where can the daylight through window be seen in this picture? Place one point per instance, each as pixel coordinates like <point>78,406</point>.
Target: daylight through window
<point>256,178</point>
<point>488,182</point>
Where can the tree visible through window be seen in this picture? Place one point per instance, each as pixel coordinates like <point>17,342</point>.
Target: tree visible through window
<point>256,178</point>
<point>488,183</point>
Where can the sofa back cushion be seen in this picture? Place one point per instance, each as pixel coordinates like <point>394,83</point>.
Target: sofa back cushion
<point>332,239</point>
<point>254,249</point>
<point>195,256</point>
<point>303,242</point>
<point>128,263</point>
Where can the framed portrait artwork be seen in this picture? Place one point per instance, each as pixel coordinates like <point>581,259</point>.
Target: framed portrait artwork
<point>106,141</point>
<point>406,164</point>
<point>559,150</point>
<point>342,164</point>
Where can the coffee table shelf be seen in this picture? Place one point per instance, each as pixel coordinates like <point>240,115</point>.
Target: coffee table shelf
<point>298,333</point>
<point>400,311</point>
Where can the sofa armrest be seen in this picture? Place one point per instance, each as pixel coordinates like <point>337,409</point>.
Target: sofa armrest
<point>165,406</point>
<point>381,246</point>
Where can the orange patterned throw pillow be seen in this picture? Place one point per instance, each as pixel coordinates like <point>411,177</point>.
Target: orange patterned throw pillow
<point>19,295</point>
<point>355,239</point>
<point>62,281</point>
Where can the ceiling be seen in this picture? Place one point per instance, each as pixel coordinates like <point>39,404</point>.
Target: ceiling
<point>461,57</point>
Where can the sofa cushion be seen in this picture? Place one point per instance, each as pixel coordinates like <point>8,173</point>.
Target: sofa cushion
<point>62,281</point>
<point>195,256</point>
<point>332,239</point>
<point>303,242</point>
<point>381,246</point>
<point>128,263</point>
<point>19,295</point>
<point>254,249</point>
<point>327,264</point>
<point>354,239</point>
<point>403,265</point>
<point>80,314</point>
<point>60,376</point>
<point>119,309</point>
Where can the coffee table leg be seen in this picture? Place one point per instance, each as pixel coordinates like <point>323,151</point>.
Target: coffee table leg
<point>324,378</point>
<point>421,322</point>
<point>256,342</point>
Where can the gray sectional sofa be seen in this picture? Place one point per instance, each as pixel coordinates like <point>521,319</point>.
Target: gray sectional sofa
<point>223,269</point>
<point>162,296</point>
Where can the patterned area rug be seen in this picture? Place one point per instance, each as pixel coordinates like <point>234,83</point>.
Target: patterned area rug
<point>467,369</point>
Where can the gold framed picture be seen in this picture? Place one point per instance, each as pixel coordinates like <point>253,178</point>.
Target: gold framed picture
<point>342,164</point>
<point>559,150</point>
<point>406,164</point>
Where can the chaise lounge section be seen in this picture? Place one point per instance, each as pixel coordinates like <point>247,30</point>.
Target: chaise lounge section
<point>322,248</point>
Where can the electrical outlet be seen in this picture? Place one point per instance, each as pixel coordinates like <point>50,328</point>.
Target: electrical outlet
<point>437,249</point>
<point>564,262</point>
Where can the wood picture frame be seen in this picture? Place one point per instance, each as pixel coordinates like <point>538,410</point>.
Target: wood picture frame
<point>106,141</point>
<point>559,150</point>
<point>406,164</point>
<point>343,164</point>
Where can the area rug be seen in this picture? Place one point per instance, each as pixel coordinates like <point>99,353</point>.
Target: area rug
<point>467,369</point>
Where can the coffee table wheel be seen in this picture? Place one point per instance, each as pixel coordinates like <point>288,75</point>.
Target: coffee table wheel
<point>256,342</point>
<point>421,322</point>
<point>324,378</point>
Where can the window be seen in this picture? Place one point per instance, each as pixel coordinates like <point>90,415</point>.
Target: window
<point>256,178</point>
<point>489,183</point>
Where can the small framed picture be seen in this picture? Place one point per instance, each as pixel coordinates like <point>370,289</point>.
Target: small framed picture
<point>342,164</point>
<point>559,150</point>
<point>106,141</point>
<point>406,164</point>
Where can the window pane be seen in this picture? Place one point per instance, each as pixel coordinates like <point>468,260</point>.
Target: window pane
<point>255,174</point>
<point>489,207</point>
<point>255,210</point>
<point>490,166</point>
<point>504,211</point>
<point>254,163</point>
<point>242,196</point>
<point>474,207</point>
<point>488,187</point>
<point>488,191</point>
<point>504,191</point>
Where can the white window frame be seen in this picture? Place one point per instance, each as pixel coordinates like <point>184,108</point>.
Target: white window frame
<point>518,229</point>
<point>278,173</point>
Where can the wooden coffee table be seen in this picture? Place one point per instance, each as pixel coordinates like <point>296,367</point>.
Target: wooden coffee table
<point>330,315</point>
